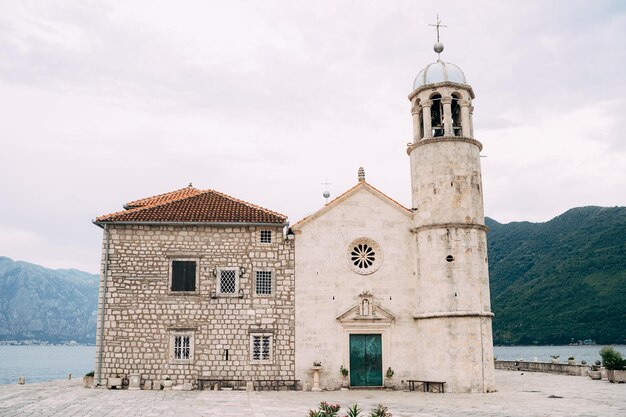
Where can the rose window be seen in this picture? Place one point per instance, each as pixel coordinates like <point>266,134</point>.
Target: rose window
<point>364,256</point>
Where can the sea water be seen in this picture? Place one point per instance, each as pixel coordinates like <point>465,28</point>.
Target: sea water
<point>589,353</point>
<point>47,363</point>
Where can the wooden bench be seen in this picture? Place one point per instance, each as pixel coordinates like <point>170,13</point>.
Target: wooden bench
<point>429,386</point>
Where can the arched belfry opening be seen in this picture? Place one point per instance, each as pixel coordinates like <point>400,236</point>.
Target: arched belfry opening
<point>457,128</point>
<point>436,116</point>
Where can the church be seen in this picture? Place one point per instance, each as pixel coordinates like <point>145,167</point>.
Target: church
<point>198,286</point>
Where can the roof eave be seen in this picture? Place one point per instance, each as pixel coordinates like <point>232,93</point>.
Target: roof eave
<point>442,84</point>
<point>101,223</point>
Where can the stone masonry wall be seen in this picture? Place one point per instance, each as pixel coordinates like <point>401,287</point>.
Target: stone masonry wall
<point>141,311</point>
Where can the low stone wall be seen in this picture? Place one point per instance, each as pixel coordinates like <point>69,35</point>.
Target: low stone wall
<point>553,368</point>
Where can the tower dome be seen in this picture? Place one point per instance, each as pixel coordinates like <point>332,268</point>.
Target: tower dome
<point>439,72</point>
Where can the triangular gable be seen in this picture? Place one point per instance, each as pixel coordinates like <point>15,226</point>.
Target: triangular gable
<point>361,185</point>
<point>377,314</point>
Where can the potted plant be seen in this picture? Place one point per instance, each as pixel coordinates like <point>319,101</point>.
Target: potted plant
<point>317,366</point>
<point>388,375</point>
<point>614,363</point>
<point>167,382</point>
<point>344,374</point>
<point>88,379</point>
<point>571,360</point>
<point>115,382</point>
<point>555,358</point>
<point>595,372</point>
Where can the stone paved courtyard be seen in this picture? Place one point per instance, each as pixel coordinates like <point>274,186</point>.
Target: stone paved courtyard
<point>528,394</point>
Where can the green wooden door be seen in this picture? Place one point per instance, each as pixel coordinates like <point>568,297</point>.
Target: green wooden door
<point>366,363</point>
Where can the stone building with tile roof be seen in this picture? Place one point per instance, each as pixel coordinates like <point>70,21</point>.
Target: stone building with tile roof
<point>199,286</point>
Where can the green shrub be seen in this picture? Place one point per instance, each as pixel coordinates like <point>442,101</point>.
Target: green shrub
<point>612,359</point>
<point>90,373</point>
<point>325,410</point>
<point>353,411</point>
<point>380,411</point>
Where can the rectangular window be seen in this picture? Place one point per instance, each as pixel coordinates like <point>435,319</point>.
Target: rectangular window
<point>182,347</point>
<point>266,236</point>
<point>183,276</point>
<point>261,348</point>
<point>228,281</point>
<point>264,282</point>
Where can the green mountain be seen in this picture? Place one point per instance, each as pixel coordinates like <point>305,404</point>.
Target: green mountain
<point>45,304</point>
<point>559,281</point>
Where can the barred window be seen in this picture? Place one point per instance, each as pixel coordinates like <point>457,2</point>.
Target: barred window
<point>264,282</point>
<point>228,281</point>
<point>182,346</point>
<point>266,236</point>
<point>261,348</point>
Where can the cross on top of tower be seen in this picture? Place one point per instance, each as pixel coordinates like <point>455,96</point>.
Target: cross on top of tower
<point>438,47</point>
<point>438,25</point>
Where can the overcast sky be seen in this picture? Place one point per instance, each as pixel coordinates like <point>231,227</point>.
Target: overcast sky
<point>106,102</point>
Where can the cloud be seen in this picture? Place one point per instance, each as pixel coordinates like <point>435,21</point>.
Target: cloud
<point>113,101</point>
<point>562,160</point>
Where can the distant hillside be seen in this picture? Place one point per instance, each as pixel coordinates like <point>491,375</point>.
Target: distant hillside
<point>560,280</point>
<point>45,304</point>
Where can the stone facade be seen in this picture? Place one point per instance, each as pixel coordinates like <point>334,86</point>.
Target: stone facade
<point>453,315</point>
<point>330,294</point>
<point>142,314</point>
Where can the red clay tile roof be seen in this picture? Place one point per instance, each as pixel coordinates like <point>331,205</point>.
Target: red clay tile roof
<point>193,205</point>
<point>163,198</point>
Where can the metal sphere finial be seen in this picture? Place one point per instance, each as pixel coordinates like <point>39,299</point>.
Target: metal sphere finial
<point>438,47</point>
<point>326,194</point>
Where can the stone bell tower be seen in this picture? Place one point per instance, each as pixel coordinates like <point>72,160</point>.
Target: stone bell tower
<point>452,317</point>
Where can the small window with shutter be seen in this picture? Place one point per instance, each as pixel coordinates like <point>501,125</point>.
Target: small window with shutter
<point>183,275</point>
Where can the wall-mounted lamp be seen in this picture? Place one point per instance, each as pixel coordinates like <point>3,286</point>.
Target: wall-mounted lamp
<point>242,270</point>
